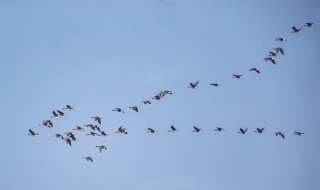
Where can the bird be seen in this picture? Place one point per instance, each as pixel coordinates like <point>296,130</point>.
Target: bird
<point>71,135</point>
<point>61,113</point>
<point>193,85</point>
<point>196,129</point>
<point>237,76</point>
<point>134,108</point>
<point>101,147</point>
<point>55,115</point>
<point>151,130</point>
<point>103,134</point>
<point>156,97</point>
<point>88,158</point>
<point>67,140</point>
<point>215,84</point>
<point>118,110</point>
<point>309,24</point>
<point>93,127</point>
<point>57,136</point>
<point>33,134</point>
<point>279,133</point>
<point>219,129</point>
<point>272,54</point>
<point>163,93</point>
<point>93,134</point>
<point>97,118</point>
<point>257,70</point>
<point>279,49</point>
<point>173,129</point>
<point>146,101</point>
<point>281,39</point>
<point>47,123</point>
<point>260,131</point>
<point>295,30</point>
<point>243,131</point>
<point>78,128</point>
<point>298,133</point>
<point>270,59</point>
<point>122,131</point>
<point>68,108</point>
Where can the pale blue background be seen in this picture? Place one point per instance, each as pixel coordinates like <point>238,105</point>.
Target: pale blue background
<point>100,54</point>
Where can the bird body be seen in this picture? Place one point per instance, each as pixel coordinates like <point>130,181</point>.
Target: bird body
<point>243,131</point>
<point>33,134</point>
<point>88,158</point>
<point>68,108</point>
<point>101,147</point>
<point>280,134</point>
<point>173,129</point>
<point>196,129</point>
<point>151,130</point>
<point>296,30</point>
<point>298,133</point>
<point>193,85</point>
<point>257,70</point>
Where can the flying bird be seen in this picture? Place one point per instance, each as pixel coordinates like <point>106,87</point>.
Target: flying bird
<point>196,129</point>
<point>309,24</point>
<point>118,110</point>
<point>193,85</point>
<point>146,102</point>
<point>219,129</point>
<point>215,84</point>
<point>47,123</point>
<point>93,127</point>
<point>61,113</point>
<point>67,140</point>
<point>101,147</point>
<point>57,136</point>
<point>272,54</point>
<point>78,128</point>
<point>298,133</point>
<point>103,134</point>
<point>122,131</point>
<point>33,134</point>
<point>55,115</point>
<point>68,108</point>
<point>295,30</point>
<point>151,130</point>
<point>270,59</point>
<point>281,39</point>
<point>260,131</point>
<point>279,133</point>
<point>97,118</point>
<point>93,134</point>
<point>173,129</point>
<point>237,76</point>
<point>279,49</point>
<point>134,108</point>
<point>257,70</point>
<point>243,131</point>
<point>88,158</point>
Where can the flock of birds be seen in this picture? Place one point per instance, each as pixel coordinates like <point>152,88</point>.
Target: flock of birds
<point>96,128</point>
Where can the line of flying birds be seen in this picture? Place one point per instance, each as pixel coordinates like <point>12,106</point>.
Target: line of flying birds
<point>96,131</point>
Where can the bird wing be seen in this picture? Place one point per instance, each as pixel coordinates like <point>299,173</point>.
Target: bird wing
<point>31,132</point>
<point>172,127</point>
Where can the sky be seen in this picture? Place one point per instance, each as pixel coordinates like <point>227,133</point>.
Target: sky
<point>101,54</point>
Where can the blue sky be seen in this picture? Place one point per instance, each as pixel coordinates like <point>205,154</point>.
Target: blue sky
<point>98,55</point>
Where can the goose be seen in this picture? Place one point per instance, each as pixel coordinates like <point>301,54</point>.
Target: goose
<point>122,131</point>
<point>260,131</point>
<point>78,128</point>
<point>281,39</point>
<point>57,136</point>
<point>33,134</point>
<point>71,135</point>
<point>215,84</point>
<point>270,59</point>
<point>279,133</point>
<point>243,131</point>
<point>196,129</point>
<point>47,123</point>
<point>219,129</point>
<point>97,118</point>
<point>257,70</point>
<point>173,129</point>
<point>101,147</point>
<point>163,93</point>
<point>88,158</point>
<point>93,134</point>
<point>146,101</point>
<point>309,24</point>
<point>279,49</point>
<point>193,85</point>
<point>93,127</point>
<point>61,113</point>
<point>68,108</point>
<point>298,133</point>
<point>151,130</point>
<point>272,54</point>
<point>118,110</point>
<point>55,115</point>
<point>134,108</point>
<point>156,97</point>
<point>67,140</point>
<point>103,134</point>
<point>295,30</point>
<point>237,76</point>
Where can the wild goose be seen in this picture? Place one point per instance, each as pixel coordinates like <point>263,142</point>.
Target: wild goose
<point>173,129</point>
<point>298,133</point>
<point>118,110</point>
<point>196,129</point>
<point>272,54</point>
<point>101,147</point>
<point>33,134</point>
<point>61,113</point>
<point>88,158</point>
<point>68,108</point>
<point>243,131</point>
<point>260,131</point>
<point>156,97</point>
<point>47,123</point>
<point>219,129</point>
<point>67,140</point>
<point>92,134</point>
<point>103,134</point>
<point>93,127</point>
<point>97,118</point>
<point>281,39</point>
<point>279,133</point>
<point>193,85</point>
<point>146,102</point>
<point>309,24</point>
<point>71,135</point>
<point>122,131</point>
<point>55,115</point>
<point>151,130</point>
<point>270,59</point>
<point>257,70</point>
<point>279,49</point>
<point>237,76</point>
<point>215,84</point>
<point>163,93</point>
<point>57,136</point>
<point>295,30</point>
<point>134,108</point>
<point>78,128</point>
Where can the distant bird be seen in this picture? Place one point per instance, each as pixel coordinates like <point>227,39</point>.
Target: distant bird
<point>103,134</point>
<point>71,135</point>
<point>151,130</point>
<point>309,24</point>
<point>279,49</point>
<point>279,133</point>
<point>157,97</point>
<point>122,131</point>
<point>146,102</point>
<point>68,108</point>
<point>281,39</point>
<point>67,140</point>
<point>118,110</point>
<point>260,131</point>
<point>97,118</point>
<point>298,133</point>
<point>88,158</point>
<point>101,147</point>
<point>219,129</point>
<point>61,113</point>
<point>57,136</point>
<point>163,93</point>
<point>173,129</point>
<point>196,129</point>
<point>272,54</point>
<point>257,70</point>
<point>78,128</point>
<point>47,123</point>
<point>92,134</point>
<point>134,108</point>
<point>243,131</point>
<point>55,115</point>
<point>270,59</point>
<point>93,127</point>
<point>33,134</point>
<point>193,85</point>
<point>215,84</point>
<point>295,30</point>
<point>237,76</point>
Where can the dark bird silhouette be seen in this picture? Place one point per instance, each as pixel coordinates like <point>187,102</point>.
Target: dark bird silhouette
<point>151,130</point>
<point>68,108</point>
<point>279,49</point>
<point>237,76</point>
<point>118,110</point>
<point>101,147</point>
<point>257,70</point>
<point>134,108</point>
<point>272,54</point>
<point>78,128</point>
<point>57,136</point>
<point>309,24</point>
<point>219,129</point>
<point>97,118</point>
<point>93,134</point>
<point>33,134</point>
<point>47,123</point>
<point>88,158</point>
<point>193,85</point>
<point>55,115</point>
<point>260,131</point>
<point>67,140</point>
<point>61,113</point>
<point>93,127</point>
<point>196,129</point>
<point>173,129</point>
<point>272,59</point>
<point>146,102</point>
<point>103,134</point>
<point>298,133</point>
<point>295,30</point>
<point>215,84</point>
<point>279,133</point>
<point>243,131</point>
<point>281,39</point>
<point>122,131</point>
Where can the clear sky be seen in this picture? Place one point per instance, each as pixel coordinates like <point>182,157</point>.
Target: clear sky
<point>100,54</point>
